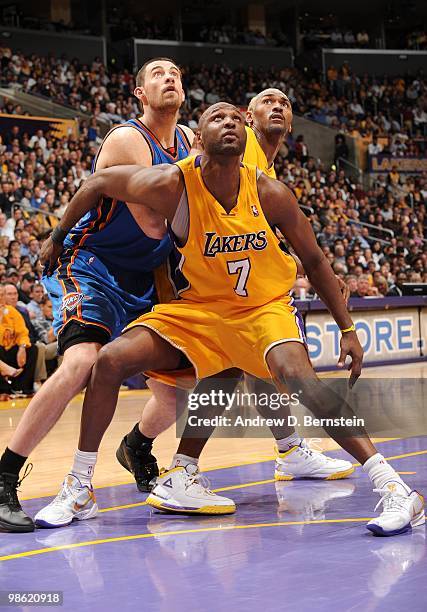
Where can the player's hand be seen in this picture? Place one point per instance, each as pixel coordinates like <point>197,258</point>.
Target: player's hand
<point>49,254</point>
<point>350,345</point>
<point>21,357</point>
<point>345,289</point>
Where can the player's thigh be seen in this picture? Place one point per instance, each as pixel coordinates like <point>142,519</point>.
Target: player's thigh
<point>137,350</point>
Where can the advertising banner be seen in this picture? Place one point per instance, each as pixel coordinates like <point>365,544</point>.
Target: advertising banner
<point>58,128</point>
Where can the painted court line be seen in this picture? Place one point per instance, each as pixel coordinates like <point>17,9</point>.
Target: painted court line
<point>199,530</point>
<point>229,488</point>
<point>141,536</point>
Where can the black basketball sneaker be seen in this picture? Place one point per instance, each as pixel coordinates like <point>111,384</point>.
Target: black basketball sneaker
<point>12,516</point>
<point>139,462</point>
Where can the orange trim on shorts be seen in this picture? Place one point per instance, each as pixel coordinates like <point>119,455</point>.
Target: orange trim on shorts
<point>64,289</point>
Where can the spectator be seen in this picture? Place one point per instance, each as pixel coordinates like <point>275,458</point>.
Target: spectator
<point>374,148</point>
<point>351,281</point>
<point>362,286</point>
<point>382,285</point>
<point>396,288</point>
<point>341,148</point>
<point>301,150</point>
<point>25,289</point>
<point>46,341</point>
<point>34,306</point>
<point>15,347</point>
<point>302,289</point>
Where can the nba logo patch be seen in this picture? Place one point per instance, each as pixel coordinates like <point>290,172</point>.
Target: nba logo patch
<point>71,301</point>
<point>254,210</point>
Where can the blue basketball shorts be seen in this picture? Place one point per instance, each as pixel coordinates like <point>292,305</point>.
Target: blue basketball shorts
<point>83,289</point>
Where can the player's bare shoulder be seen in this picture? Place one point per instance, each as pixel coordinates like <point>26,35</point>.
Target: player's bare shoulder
<point>124,145</point>
<point>275,198</point>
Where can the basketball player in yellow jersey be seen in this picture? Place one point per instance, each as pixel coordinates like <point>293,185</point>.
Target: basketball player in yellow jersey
<point>269,119</point>
<point>235,310</point>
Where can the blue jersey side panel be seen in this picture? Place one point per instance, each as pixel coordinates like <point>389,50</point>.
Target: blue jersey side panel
<point>111,232</point>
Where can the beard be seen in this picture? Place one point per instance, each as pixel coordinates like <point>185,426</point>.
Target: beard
<point>166,104</point>
<point>274,130</point>
<point>232,149</point>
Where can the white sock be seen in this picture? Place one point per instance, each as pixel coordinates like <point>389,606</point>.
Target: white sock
<point>286,443</point>
<point>179,460</point>
<point>84,466</point>
<point>380,472</point>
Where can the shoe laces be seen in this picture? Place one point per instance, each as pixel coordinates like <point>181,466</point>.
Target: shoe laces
<point>390,500</point>
<point>312,448</point>
<point>199,481</point>
<point>12,488</point>
<point>306,450</point>
<point>66,491</point>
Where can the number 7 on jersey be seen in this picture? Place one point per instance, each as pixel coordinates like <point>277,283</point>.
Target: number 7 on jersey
<point>242,267</point>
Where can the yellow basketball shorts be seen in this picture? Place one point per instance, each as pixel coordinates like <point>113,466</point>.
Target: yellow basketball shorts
<point>215,338</point>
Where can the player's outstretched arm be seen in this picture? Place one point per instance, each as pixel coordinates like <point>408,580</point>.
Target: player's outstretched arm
<point>281,208</point>
<point>159,188</point>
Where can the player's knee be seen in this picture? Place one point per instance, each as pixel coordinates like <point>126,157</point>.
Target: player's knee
<point>292,369</point>
<point>109,363</point>
<point>79,360</point>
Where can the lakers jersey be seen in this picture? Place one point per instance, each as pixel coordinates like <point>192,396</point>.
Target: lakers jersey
<point>255,155</point>
<point>233,257</point>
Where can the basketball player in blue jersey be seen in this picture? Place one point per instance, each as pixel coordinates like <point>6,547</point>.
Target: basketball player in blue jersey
<point>101,282</point>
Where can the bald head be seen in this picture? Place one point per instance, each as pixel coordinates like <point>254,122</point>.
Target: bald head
<point>270,112</point>
<point>271,91</point>
<point>214,108</point>
<point>222,130</point>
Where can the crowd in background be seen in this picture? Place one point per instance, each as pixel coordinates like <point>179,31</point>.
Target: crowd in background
<point>356,105</point>
<point>40,174</point>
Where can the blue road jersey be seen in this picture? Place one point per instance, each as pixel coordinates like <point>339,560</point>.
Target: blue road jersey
<point>110,231</point>
<point>104,276</point>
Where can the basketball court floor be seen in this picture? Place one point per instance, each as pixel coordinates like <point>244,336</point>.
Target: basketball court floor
<point>294,545</point>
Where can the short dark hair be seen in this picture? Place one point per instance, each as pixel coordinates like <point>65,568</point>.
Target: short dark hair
<point>140,77</point>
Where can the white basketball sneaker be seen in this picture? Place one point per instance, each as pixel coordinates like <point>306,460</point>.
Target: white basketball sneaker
<point>74,501</point>
<point>400,512</point>
<point>303,462</point>
<point>183,491</point>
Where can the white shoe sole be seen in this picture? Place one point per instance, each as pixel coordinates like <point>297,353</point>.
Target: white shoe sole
<point>83,515</point>
<point>169,506</point>
<point>322,476</point>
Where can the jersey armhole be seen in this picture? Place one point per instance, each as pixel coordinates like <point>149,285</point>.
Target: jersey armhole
<point>116,127</point>
<point>180,226</point>
<point>184,135</point>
